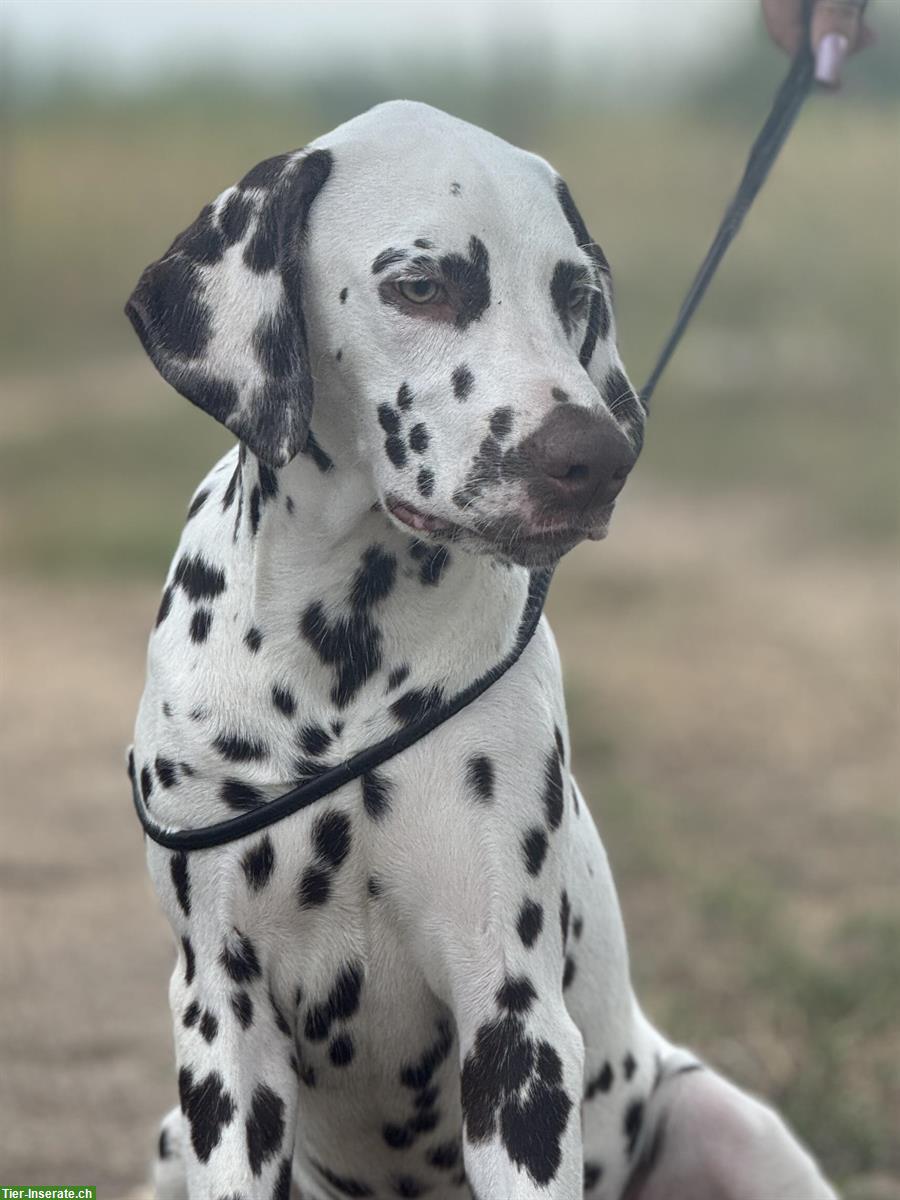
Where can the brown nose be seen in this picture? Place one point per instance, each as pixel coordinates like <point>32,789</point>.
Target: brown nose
<point>577,458</point>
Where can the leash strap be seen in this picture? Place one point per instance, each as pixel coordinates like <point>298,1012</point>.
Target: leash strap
<point>345,772</point>
<point>786,106</point>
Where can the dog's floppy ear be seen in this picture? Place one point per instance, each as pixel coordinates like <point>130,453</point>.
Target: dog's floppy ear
<point>221,313</point>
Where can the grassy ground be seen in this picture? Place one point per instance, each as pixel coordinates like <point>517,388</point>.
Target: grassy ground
<point>730,652</point>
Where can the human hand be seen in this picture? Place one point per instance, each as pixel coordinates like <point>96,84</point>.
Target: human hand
<point>838,30</point>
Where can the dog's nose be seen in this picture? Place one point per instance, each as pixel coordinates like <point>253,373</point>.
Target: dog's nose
<point>577,458</point>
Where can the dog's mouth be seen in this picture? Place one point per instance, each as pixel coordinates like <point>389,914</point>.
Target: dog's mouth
<point>516,540</point>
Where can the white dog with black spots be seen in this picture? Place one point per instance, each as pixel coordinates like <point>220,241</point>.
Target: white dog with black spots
<point>419,985</point>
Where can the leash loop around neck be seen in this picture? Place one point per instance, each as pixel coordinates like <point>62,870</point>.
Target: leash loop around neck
<point>330,779</point>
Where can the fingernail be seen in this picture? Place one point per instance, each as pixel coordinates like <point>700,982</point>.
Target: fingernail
<point>830,55</point>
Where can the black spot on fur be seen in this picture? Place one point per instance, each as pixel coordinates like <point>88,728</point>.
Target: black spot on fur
<point>632,1124</point>
<point>388,419</point>
<point>253,640</point>
<point>208,1109</point>
<point>189,961</point>
<point>314,888</point>
<point>565,912</point>
<point>397,676</point>
<point>258,863</point>
<point>376,794</point>
<point>201,623</point>
<point>197,503</point>
<point>254,509</point>
<point>445,1156</point>
<point>242,1007</point>
<point>404,397</point>
<point>530,922</point>
<point>516,995</point>
<point>343,295</point>
<point>569,969</point>
<point>387,258</point>
<point>198,578</point>
<point>351,645</point>
<point>239,959</point>
<point>314,740</point>
<point>425,482</point>
<point>284,701</point>
<point>165,771</point>
<point>534,848</point>
<point>553,790</point>
<point>264,1126</point>
<point>237,748</point>
<point>209,1026</point>
<point>416,704</point>
<point>341,1004</point>
<point>240,796</point>
<point>398,1137</point>
<point>191,1015</point>
<point>468,280</point>
<point>418,1075</point>
<point>629,1065</point>
<point>228,497</point>
<point>480,776</point>
<point>331,837</point>
<point>341,1050</point>
<point>165,606</point>
<point>181,880</point>
<point>322,460</point>
<point>601,1082</point>
<point>463,381</point>
<point>146,783</point>
<point>282,1188</point>
<point>343,1183</point>
<point>501,421</point>
<point>395,450</point>
<point>560,395</point>
<point>593,1173</point>
<point>418,438</point>
<point>560,744</point>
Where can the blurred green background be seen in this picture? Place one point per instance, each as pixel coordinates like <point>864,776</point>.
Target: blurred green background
<point>730,653</point>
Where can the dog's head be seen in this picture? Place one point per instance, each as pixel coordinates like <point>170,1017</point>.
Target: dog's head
<point>435,293</point>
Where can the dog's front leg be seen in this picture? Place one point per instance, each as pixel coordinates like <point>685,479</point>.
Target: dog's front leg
<point>522,1061</point>
<point>236,1073</point>
<point>234,1044</point>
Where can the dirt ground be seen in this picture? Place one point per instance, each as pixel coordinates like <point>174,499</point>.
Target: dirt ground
<point>733,705</point>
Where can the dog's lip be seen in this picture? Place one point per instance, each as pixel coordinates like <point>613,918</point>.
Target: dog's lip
<point>420,521</point>
<point>540,534</point>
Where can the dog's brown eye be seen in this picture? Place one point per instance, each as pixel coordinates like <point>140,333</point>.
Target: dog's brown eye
<point>578,299</point>
<point>419,291</point>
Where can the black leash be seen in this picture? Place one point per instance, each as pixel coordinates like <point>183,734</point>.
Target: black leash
<point>787,104</point>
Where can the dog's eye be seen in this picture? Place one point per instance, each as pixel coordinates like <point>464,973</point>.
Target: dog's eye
<point>578,299</point>
<point>419,291</point>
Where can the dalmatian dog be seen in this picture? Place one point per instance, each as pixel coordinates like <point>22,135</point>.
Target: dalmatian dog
<point>418,985</point>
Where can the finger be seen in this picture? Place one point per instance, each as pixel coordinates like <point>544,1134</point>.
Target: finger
<point>837,30</point>
<point>784,21</point>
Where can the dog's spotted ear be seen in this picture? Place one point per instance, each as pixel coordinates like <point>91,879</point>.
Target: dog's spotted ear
<point>221,313</point>
<point>609,379</point>
<point>600,310</point>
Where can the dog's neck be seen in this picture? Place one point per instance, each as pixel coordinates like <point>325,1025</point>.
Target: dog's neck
<point>344,589</point>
